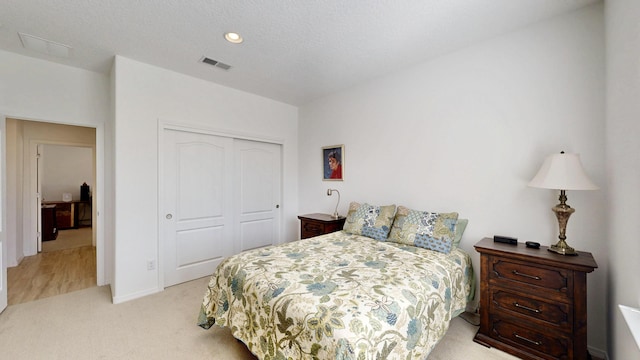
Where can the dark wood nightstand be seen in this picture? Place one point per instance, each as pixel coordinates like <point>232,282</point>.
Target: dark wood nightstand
<point>319,224</point>
<point>533,303</point>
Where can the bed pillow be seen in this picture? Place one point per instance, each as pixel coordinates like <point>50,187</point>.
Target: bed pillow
<point>425,229</point>
<point>461,225</point>
<point>369,220</point>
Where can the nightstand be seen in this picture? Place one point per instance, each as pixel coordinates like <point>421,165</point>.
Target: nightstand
<point>533,303</point>
<point>319,224</point>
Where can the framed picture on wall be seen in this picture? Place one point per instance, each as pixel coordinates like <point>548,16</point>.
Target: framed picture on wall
<point>333,163</point>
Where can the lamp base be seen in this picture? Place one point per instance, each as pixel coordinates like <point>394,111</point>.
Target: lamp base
<point>563,211</point>
<point>563,249</point>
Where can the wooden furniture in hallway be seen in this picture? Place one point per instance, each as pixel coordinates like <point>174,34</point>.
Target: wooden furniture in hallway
<point>49,222</point>
<point>71,214</point>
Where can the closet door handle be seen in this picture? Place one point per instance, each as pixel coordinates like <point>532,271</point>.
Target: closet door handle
<point>169,216</point>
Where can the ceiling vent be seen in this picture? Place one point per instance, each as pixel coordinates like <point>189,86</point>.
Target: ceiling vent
<point>215,63</point>
<point>44,46</point>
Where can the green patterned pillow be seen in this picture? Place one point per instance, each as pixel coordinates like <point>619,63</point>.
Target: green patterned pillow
<point>369,220</point>
<point>429,230</point>
<point>461,225</point>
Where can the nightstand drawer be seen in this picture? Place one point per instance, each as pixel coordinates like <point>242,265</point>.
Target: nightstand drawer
<point>543,344</point>
<point>528,277</point>
<point>545,313</point>
<point>310,229</point>
<point>319,224</point>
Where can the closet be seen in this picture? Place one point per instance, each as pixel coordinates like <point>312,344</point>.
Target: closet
<point>219,196</point>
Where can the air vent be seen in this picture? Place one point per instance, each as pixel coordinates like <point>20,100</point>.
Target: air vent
<point>215,63</point>
<point>223,66</point>
<point>44,46</point>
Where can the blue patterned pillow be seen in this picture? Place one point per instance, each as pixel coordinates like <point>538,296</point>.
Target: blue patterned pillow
<point>429,230</point>
<point>369,220</point>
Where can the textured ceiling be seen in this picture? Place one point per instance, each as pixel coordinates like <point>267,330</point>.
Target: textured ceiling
<point>294,50</point>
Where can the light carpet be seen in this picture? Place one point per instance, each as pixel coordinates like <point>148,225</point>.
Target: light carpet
<point>86,325</point>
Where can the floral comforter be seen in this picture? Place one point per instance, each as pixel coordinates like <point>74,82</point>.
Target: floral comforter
<point>338,296</point>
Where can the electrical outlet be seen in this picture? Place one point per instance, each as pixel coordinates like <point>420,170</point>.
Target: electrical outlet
<point>151,264</point>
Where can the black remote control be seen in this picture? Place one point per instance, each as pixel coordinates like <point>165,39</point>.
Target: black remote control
<point>532,244</point>
<point>505,239</point>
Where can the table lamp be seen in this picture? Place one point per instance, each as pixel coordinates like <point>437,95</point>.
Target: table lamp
<point>562,172</point>
<point>329,193</point>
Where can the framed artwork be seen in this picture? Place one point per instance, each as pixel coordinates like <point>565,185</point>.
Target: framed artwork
<point>333,163</point>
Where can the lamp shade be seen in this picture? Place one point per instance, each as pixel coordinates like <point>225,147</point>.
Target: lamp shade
<point>562,172</point>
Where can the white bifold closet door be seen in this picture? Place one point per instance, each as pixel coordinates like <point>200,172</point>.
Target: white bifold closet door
<point>220,196</point>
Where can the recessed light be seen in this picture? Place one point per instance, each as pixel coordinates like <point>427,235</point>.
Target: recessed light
<point>234,38</point>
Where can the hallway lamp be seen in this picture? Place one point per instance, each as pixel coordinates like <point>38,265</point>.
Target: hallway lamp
<point>329,193</point>
<point>562,172</point>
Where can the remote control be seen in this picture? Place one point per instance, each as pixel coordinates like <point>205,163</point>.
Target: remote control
<point>532,244</point>
<point>505,239</point>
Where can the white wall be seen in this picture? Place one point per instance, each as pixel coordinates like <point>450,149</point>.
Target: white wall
<point>467,131</point>
<point>145,95</point>
<point>65,169</point>
<point>34,89</point>
<point>14,170</point>
<point>623,168</point>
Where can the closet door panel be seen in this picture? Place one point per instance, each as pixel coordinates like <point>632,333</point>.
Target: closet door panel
<point>258,193</point>
<point>198,206</point>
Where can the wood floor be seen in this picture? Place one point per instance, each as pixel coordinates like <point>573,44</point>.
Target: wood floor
<point>52,273</point>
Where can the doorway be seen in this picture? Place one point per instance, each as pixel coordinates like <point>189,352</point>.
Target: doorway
<point>27,194</point>
<point>65,178</point>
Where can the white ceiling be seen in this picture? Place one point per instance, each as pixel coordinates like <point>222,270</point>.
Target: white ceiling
<point>294,50</point>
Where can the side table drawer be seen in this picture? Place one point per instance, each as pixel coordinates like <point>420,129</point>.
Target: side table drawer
<point>319,224</point>
<point>543,312</point>
<point>311,229</point>
<point>525,276</point>
<point>543,344</point>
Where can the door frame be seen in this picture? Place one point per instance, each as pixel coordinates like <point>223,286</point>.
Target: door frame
<point>104,265</point>
<point>38,214</point>
<point>164,125</point>
<point>3,215</point>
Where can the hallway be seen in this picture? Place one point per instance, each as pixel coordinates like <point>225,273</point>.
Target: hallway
<point>53,273</point>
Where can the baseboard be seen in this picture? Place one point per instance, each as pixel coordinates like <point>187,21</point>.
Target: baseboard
<point>136,295</point>
<point>597,353</point>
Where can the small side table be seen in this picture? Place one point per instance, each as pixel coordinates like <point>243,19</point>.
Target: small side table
<point>319,224</point>
<point>533,303</point>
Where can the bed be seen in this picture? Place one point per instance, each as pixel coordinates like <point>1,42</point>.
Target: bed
<point>343,295</point>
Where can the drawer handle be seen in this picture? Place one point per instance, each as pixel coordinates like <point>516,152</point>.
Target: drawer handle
<point>537,343</point>
<point>516,272</point>
<point>537,311</point>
